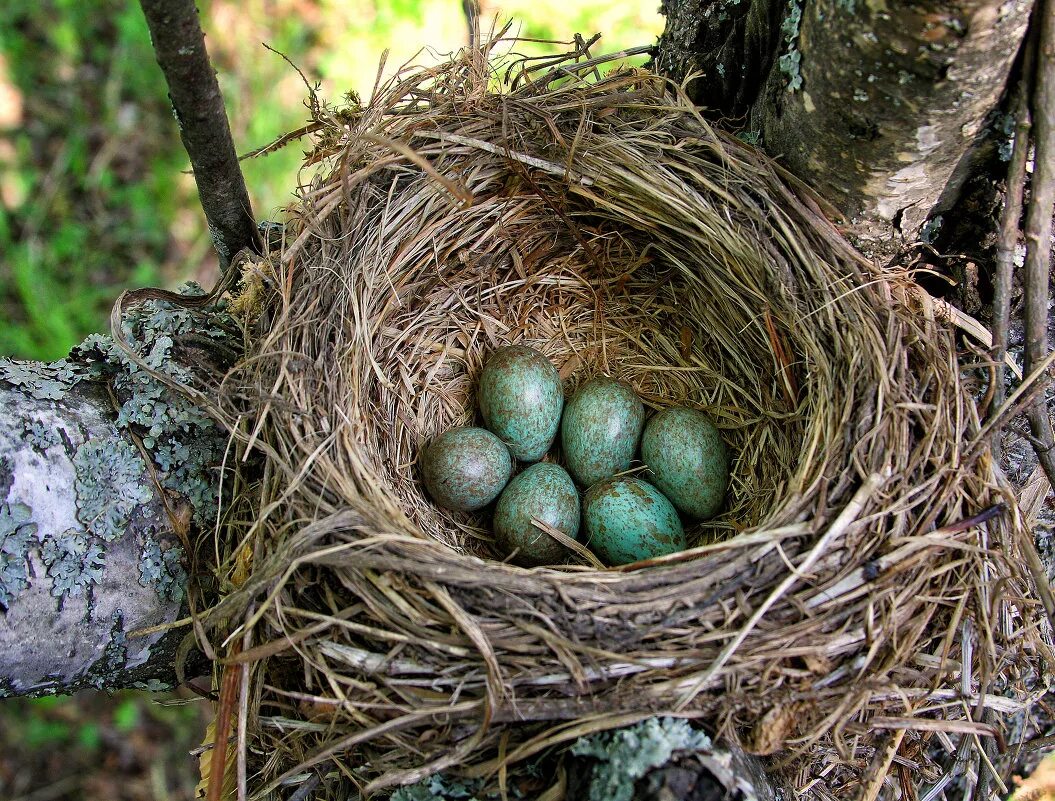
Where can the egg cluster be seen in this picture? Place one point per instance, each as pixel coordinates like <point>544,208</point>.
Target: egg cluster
<point>602,428</point>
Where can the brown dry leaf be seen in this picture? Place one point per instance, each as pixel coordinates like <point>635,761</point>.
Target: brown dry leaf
<point>243,565</point>
<point>773,730</point>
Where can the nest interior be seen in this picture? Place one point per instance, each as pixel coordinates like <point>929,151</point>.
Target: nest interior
<point>845,591</point>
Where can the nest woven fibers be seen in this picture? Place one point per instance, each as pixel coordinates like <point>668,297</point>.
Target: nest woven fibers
<point>855,590</point>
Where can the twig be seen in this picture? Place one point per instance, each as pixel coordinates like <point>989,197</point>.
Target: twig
<point>1038,744</point>
<point>1010,221</point>
<point>1038,228</point>
<point>179,45</point>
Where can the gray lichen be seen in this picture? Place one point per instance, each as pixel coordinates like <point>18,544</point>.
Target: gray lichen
<point>183,441</point>
<point>153,686</point>
<point>38,435</point>
<point>440,787</point>
<point>43,381</point>
<point>1004,127</point>
<point>626,755</point>
<point>74,562</point>
<point>111,484</point>
<point>17,536</point>
<point>163,570</point>
<point>930,229</point>
<point>114,656</point>
<point>791,61</point>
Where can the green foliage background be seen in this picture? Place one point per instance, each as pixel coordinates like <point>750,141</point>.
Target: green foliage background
<point>94,198</point>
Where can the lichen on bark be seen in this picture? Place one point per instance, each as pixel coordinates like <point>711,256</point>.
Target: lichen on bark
<point>893,99</point>
<point>878,106</point>
<point>88,548</point>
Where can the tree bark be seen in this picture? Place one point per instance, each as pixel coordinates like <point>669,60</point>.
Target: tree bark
<point>202,119</point>
<point>87,552</point>
<point>878,106</point>
<point>104,475</point>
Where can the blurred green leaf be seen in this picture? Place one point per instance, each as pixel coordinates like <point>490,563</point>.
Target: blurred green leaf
<point>126,715</point>
<point>89,736</point>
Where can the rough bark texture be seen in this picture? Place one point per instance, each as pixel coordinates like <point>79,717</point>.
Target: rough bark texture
<point>87,554</point>
<point>198,105</point>
<point>877,105</point>
<point>104,475</point>
<point>730,45</point>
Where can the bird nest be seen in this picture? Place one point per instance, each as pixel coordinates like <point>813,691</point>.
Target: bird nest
<point>861,585</point>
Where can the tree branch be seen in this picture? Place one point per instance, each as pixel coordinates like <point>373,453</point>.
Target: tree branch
<point>1010,221</point>
<point>179,44</point>
<point>106,477</point>
<point>1038,230</point>
<point>87,554</point>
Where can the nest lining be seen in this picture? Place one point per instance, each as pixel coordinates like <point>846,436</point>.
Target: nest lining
<point>604,222</point>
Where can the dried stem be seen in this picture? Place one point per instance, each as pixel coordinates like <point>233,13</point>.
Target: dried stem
<point>179,45</point>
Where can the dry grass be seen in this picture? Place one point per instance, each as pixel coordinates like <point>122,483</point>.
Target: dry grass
<point>850,590</point>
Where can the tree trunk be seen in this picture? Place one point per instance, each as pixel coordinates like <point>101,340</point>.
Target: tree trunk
<point>878,106</point>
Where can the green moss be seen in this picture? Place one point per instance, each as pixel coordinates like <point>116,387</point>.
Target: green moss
<point>17,536</point>
<point>74,562</point>
<point>111,484</point>
<point>626,755</point>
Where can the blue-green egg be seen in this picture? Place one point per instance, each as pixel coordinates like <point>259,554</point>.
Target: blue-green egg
<point>465,468</point>
<point>627,520</point>
<point>688,460</point>
<point>544,492</point>
<point>521,399</point>
<point>601,428</point>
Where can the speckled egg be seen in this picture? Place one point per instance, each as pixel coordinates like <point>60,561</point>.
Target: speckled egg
<point>544,492</point>
<point>687,460</point>
<point>465,468</point>
<point>601,428</point>
<point>628,520</point>
<point>521,399</point>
